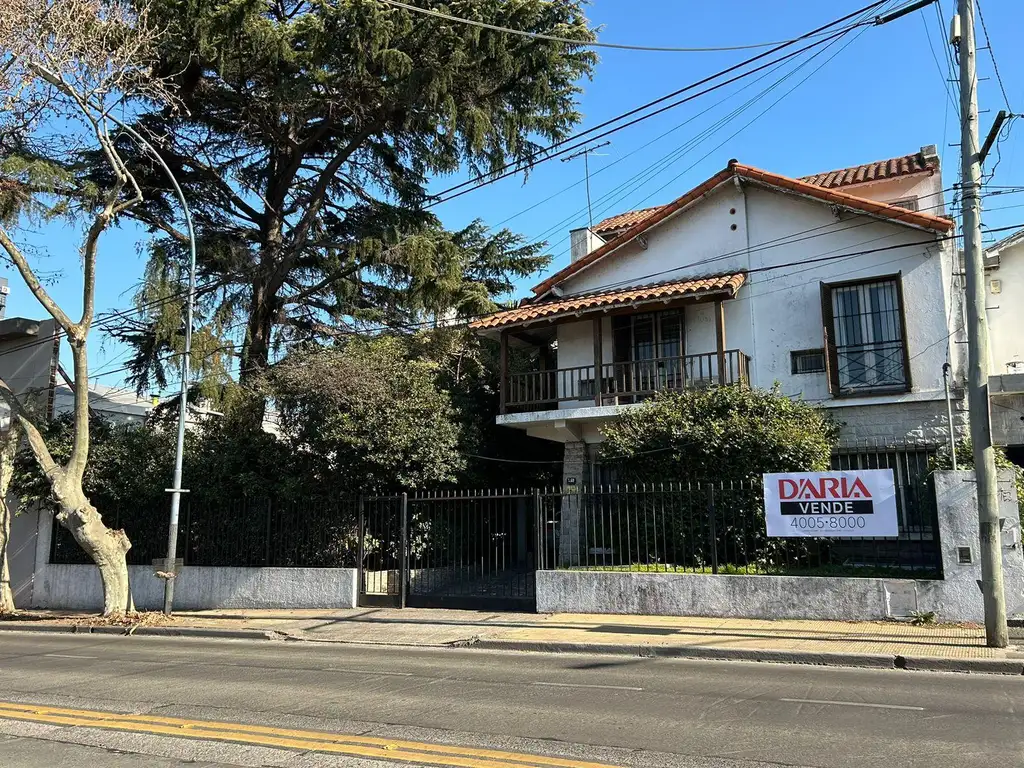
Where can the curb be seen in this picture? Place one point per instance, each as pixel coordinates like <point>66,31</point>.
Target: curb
<point>711,653</point>
<point>81,629</point>
<point>1014,666</point>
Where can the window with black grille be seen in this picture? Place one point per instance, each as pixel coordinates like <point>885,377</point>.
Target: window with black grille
<point>807,361</point>
<point>866,339</point>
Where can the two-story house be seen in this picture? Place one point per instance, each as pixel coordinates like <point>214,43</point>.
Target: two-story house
<point>840,286</point>
<point>1004,304</point>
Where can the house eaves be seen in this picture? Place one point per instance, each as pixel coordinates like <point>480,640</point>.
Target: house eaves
<point>774,181</point>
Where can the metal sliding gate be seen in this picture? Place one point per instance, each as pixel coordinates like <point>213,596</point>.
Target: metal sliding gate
<point>476,551</point>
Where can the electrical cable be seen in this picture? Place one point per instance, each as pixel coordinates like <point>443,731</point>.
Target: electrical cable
<point>992,55</point>
<point>581,43</point>
<point>526,161</point>
<point>756,117</point>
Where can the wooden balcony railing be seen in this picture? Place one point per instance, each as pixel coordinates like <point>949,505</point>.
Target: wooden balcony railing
<point>625,382</point>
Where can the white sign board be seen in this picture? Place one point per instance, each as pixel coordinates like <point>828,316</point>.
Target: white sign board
<point>860,502</point>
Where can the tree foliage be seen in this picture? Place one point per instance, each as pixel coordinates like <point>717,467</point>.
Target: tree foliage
<point>719,434</point>
<point>374,418</point>
<point>310,135</point>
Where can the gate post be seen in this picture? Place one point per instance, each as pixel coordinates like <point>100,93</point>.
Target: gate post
<point>714,529</point>
<point>540,535</point>
<point>403,581</point>
<point>360,574</point>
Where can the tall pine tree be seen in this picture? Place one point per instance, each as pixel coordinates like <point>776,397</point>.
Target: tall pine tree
<point>310,132</point>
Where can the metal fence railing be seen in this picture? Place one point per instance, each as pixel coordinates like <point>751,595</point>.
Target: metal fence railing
<point>243,532</point>
<point>459,543</point>
<point>714,528</point>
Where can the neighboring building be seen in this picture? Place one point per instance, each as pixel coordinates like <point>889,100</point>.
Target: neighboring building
<point>840,286</point>
<point>117,404</point>
<point>1004,302</point>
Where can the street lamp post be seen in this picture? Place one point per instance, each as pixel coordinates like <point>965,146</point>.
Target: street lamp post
<point>179,450</point>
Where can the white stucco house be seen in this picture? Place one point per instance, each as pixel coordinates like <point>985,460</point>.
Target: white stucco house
<point>1004,303</point>
<point>840,286</point>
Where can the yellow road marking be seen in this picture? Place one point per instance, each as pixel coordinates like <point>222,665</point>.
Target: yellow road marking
<point>362,746</point>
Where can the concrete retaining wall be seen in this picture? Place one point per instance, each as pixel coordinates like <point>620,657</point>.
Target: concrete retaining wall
<point>956,597</point>
<point>77,587</point>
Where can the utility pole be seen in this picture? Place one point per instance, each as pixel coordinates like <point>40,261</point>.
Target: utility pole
<point>585,154</point>
<point>977,336</point>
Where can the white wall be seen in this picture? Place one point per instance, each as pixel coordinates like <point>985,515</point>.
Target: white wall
<point>787,300</point>
<point>779,308</point>
<point>927,189</point>
<point>78,588</point>
<point>701,232</point>
<point>1006,311</point>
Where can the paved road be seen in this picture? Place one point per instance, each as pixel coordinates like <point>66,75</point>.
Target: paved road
<point>656,713</point>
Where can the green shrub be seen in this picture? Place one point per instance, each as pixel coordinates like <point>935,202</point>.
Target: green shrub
<point>724,435</point>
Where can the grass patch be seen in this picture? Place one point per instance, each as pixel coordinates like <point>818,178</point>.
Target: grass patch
<point>730,569</point>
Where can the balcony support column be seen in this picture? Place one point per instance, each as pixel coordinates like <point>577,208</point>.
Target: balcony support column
<point>503,374</point>
<point>720,340</point>
<point>598,362</point>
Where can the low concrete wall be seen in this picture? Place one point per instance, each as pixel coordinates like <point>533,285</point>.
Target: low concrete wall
<point>77,587</point>
<point>678,594</point>
<point>956,597</point>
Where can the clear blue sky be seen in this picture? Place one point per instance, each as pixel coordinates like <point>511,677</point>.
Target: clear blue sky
<point>879,97</point>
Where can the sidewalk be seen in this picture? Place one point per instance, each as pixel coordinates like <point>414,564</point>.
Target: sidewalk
<point>875,644</point>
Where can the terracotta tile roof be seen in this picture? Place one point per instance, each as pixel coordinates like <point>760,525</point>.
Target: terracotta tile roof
<point>623,220</point>
<point>876,171</point>
<point>767,178</point>
<point>858,174</point>
<point>726,284</point>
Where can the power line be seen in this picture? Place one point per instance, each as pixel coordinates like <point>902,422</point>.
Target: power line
<point>469,186</point>
<point>662,163</point>
<point>463,322</point>
<point>992,55</point>
<point>581,43</point>
<point>528,160</point>
<point>745,126</point>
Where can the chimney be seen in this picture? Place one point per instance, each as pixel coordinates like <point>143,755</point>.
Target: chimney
<point>930,155</point>
<point>584,241</point>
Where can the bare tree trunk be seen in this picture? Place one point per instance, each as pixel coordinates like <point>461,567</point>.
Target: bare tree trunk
<point>8,447</point>
<point>6,594</point>
<point>108,549</point>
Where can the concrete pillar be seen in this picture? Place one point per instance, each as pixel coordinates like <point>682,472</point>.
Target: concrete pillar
<point>957,506</point>
<point>571,547</point>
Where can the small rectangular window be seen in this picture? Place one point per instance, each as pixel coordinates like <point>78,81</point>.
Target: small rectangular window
<point>808,361</point>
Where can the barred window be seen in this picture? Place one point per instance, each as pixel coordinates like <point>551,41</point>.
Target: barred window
<point>865,336</point>
<point>807,361</point>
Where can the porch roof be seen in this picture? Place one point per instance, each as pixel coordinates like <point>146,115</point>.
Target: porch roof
<point>724,285</point>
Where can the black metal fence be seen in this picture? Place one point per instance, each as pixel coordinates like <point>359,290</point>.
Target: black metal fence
<point>461,549</point>
<point>715,528</point>
<point>245,532</point>
<point>441,548</point>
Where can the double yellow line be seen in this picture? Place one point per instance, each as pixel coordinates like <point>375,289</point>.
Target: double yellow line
<point>418,752</point>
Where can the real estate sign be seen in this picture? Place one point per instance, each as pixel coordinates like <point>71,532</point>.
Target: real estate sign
<point>859,502</point>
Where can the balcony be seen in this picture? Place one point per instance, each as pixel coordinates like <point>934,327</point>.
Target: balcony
<point>621,383</point>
